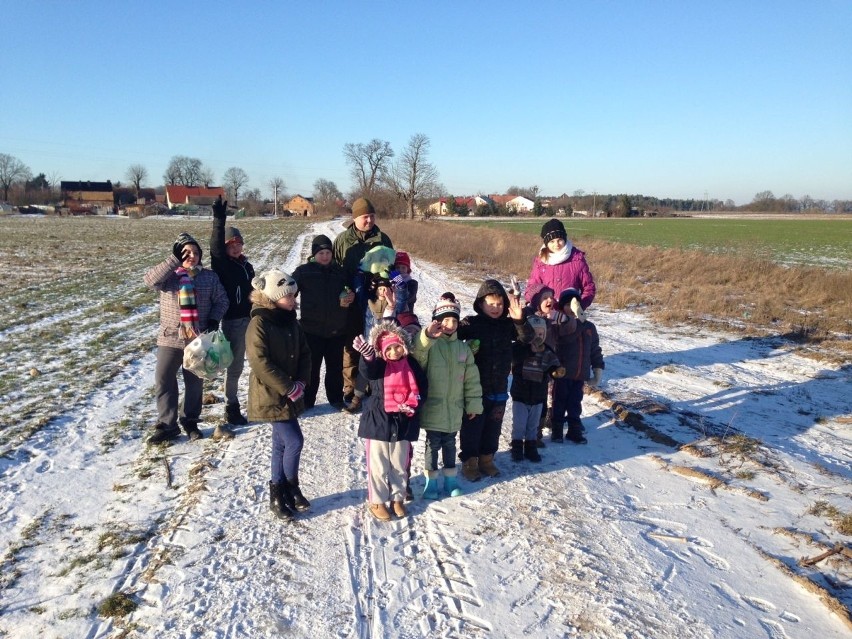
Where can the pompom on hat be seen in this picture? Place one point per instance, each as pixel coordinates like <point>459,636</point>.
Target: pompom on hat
<point>362,206</point>
<point>275,284</point>
<point>553,229</point>
<point>447,306</point>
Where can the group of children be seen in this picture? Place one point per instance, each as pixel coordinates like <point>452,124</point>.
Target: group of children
<point>450,377</point>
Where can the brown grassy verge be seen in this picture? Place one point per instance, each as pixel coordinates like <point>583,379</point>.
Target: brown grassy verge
<point>811,306</point>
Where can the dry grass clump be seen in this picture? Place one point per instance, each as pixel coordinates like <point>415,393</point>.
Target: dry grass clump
<point>735,292</point>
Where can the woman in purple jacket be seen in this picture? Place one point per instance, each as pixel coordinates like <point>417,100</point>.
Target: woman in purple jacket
<point>560,265</point>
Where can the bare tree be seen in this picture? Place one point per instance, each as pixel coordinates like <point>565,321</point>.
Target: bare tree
<point>367,162</point>
<point>206,177</point>
<point>235,179</point>
<point>136,174</point>
<point>184,171</point>
<point>12,170</point>
<point>277,187</point>
<point>413,176</point>
<point>326,195</point>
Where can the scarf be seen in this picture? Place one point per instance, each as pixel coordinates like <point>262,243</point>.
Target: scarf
<point>186,299</point>
<point>559,256</point>
<point>400,387</point>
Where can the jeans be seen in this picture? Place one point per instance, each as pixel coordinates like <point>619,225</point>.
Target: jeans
<point>567,402</point>
<point>235,333</point>
<point>287,441</point>
<point>525,419</point>
<point>443,443</point>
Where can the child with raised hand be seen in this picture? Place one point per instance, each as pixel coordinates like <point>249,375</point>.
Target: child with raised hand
<point>390,422</point>
<point>578,348</point>
<point>533,366</point>
<point>454,392</point>
<point>499,321</point>
<point>280,361</point>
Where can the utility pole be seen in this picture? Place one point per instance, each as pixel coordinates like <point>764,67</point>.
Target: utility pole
<point>275,189</point>
<point>594,203</point>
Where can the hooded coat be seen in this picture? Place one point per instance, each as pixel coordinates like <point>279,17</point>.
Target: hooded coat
<point>495,335</point>
<point>279,356</point>
<point>572,273</point>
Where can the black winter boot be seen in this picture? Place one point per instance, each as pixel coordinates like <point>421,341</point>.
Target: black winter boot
<point>517,450</point>
<point>277,504</point>
<point>575,432</point>
<point>300,504</point>
<point>556,432</point>
<point>531,451</point>
<point>234,416</point>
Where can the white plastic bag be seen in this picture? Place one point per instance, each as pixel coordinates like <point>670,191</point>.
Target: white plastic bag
<point>208,354</point>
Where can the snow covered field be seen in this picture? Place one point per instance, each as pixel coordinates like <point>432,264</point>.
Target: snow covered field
<point>626,537</point>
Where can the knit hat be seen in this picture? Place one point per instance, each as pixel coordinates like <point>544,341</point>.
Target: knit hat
<point>185,238</point>
<point>387,340</point>
<point>275,284</point>
<point>232,234</point>
<point>552,229</point>
<point>362,206</point>
<point>447,306</point>
<point>320,243</point>
<point>567,295</point>
<point>402,258</point>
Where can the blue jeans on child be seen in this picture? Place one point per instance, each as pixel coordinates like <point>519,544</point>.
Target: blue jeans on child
<point>443,443</point>
<point>287,441</point>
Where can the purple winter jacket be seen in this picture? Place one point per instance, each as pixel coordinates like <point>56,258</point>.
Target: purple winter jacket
<point>572,273</point>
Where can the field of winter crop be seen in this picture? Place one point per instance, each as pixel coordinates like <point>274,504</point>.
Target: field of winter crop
<point>713,500</point>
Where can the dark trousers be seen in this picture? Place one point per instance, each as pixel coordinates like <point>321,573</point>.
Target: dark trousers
<point>567,403</point>
<point>169,360</point>
<point>443,444</point>
<point>287,441</point>
<point>350,367</point>
<point>329,349</point>
<point>481,435</point>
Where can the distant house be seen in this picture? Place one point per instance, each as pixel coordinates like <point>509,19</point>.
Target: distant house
<point>82,198</point>
<point>440,207</point>
<point>300,205</point>
<point>197,195</point>
<point>520,204</point>
<point>501,200</point>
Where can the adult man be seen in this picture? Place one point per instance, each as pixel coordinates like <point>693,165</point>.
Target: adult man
<point>349,248</point>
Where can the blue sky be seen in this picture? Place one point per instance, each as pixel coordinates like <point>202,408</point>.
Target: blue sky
<point>673,99</point>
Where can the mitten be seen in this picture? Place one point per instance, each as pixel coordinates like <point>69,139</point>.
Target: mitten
<point>516,288</point>
<point>212,325</point>
<point>220,208</point>
<point>578,309</point>
<point>296,392</point>
<point>473,344</point>
<point>558,372</point>
<point>362,346</point>
<point>177,250</point>
<point>596,378</point>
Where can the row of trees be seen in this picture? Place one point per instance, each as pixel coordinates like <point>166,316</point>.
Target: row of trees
<point>396,184</point>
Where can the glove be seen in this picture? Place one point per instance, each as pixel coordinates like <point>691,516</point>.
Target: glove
<point>405,409</point>
<point>578,309</point>
<point>516,288</point>
<point>397,278</point>
<point>558,372</point>
<point>296,392</point>
<point>596,378</point>
<point>212,325</point>
<point>220,208</point>
<point>177,250</point>
<point>473,344</point>
<point>366,350</point>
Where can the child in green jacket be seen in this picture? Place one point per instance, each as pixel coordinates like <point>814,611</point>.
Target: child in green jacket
<point>454,391</point>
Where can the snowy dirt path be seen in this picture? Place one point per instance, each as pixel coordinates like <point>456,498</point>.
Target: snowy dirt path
<point>610,540</point>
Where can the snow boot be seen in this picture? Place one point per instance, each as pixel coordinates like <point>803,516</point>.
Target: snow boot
<point>556,433</point>
<point>398,509</point>
<point>300,504</point>
<point>470,469</point>
<point>531,451</point>
<point>354,406</point>
<point>517,450</point>
<point>487,467</point>
<point>379,511</point>
<point>164,433</point>
<point>277,504</point>
<point>234,416</point>
<point>191,428</point>
<point>430,491</point>
<point>451,483</point>
<point>575,434</point>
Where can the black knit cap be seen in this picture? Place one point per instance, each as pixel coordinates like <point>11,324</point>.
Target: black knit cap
<point>552,229</point>
<point>567,295</point>
<point>320,243</point>
<point>184,239</point>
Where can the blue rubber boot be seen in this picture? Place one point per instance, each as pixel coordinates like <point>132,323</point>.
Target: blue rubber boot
<point>431,489</point>
<point>451,483</point>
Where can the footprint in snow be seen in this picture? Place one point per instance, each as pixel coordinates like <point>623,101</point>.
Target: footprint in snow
<point>774,630</point>
<point>760,604</point>
<point>714,561</point>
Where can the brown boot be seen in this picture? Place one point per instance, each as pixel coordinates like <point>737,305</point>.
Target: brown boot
<point>487,467</point>
<point>398,509</point>
<point>354,406</point>
<point>470,469</point>
<point>380,512</point>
